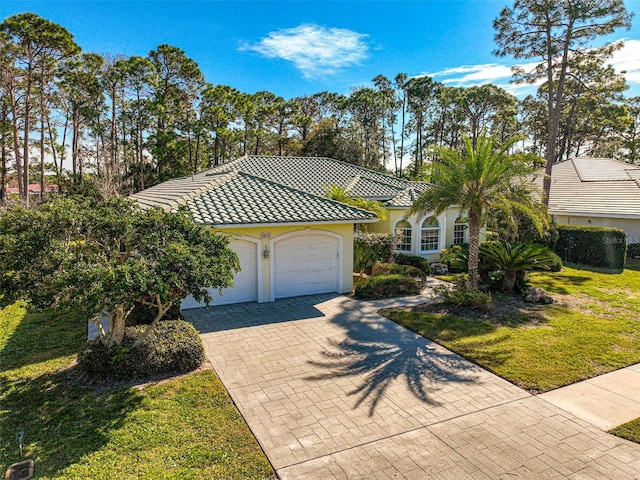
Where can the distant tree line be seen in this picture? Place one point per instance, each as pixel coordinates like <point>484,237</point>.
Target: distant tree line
<point>128,123</point>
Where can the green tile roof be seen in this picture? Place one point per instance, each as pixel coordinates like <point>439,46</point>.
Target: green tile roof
<point>245,199</point>
<point>406,198</point>
<point>256,190</point>
<point>316,174</point>
<point>240,199</point>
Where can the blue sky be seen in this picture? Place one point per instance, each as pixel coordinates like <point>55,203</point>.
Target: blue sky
<point>294,48</point>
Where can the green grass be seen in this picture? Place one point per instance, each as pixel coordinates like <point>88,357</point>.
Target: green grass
<point>182,428</point>
<point>630,430</point>
<point>595,332</point>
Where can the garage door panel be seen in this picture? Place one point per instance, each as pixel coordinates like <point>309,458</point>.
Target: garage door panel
<point>245,282</point>
<point>306,265</point>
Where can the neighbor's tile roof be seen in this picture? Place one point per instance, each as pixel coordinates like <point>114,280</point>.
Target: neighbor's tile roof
<point>317,174</point>
<point>595,186</point>
<point>409,195</point>
<point>237,198</point>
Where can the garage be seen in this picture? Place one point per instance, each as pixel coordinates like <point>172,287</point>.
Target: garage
<point>245,282</point>
<point>306,263</point>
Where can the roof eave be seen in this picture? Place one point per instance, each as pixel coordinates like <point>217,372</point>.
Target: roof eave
<point>555,211</point>
<point>288,224</point>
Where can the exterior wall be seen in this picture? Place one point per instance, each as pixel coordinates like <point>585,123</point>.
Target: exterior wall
<point>265,235</point>
<point>630,226</point>
<point>446,221</point>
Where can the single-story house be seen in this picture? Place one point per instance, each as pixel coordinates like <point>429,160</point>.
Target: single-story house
<point>290,239</point>
<point>596,191</point>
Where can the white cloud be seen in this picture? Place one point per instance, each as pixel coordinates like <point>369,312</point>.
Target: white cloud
<point>626,59</point>
<point>313,49</point>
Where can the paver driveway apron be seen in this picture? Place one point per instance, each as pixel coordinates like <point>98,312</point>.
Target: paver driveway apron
<point>331,389</point>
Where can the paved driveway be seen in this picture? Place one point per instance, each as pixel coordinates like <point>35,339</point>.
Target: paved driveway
<point>331,389</point>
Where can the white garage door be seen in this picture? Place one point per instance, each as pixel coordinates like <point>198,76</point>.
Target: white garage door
<point>245,283</point>
<point>306,264</point>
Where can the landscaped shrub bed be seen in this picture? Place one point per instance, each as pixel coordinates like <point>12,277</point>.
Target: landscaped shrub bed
<point>173,347</point>
<point>593,246</point>
<point>396,269</point>
<point>369,249</point>
<point>413,260</point>
<point>385,286</point>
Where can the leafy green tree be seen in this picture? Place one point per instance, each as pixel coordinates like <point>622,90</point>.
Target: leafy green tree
<point>33,46</point>
<point>557,34</point>
<point>178,86</point>
<point>630,136</point>
<point>421,101</point>
<point>477,181</point>
<point>83,101</point>
<point>102,257</point>
<point>219,111</point>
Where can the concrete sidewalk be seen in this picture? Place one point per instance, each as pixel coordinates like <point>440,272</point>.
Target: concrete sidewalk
<point>605,401</point>
<point>332,390</point>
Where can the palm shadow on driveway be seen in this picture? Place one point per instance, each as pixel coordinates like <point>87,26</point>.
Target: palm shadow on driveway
<point>381,352</point>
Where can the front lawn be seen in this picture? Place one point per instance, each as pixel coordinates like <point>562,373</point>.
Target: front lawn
<point>593,328</point>
<point>185,427</point>
<point>629,430</point>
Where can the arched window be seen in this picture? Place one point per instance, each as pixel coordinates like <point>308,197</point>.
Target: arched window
<point>430,235</point>
<point>403,236</point>
<point>460,231</point>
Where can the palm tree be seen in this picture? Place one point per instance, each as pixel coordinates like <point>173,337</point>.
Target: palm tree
<point>339,194</point>
<point>480,179</point>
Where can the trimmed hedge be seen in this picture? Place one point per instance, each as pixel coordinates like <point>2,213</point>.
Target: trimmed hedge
<point>369,249</point>
<point>385,286</point>
<point>592,246</point>
<point>412,260</point>
<point>396,269</point>
<point>173,347</point>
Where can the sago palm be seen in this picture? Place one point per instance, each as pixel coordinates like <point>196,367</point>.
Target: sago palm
<point>476,181</point>
<point>514,258</point>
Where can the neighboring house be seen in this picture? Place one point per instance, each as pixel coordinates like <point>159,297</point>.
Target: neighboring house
<point>290,239</point>
<point>596,191</point>
<point>34,189</point>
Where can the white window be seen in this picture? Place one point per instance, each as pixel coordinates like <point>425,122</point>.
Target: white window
<point>430,235</point>
<point>460,231</point>
<point>403,236</point>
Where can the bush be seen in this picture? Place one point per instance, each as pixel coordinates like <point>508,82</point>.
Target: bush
<point>173,347</point>
<point>456,257</point>
<point>369,249</point>
<point>145,314</point>
<point>555,264</point>
<point>385,286</point>
<point>396,269</point>
<point>412,260</point>
<point>592,246</point>
<point>462,296</point>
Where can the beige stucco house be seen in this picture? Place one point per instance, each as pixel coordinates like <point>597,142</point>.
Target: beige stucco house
<point>290,239</point>
<point>597,191</point>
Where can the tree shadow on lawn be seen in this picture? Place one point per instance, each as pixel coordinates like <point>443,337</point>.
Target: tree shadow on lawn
<point>61,423</point>
<point>43,336</point>
<point>557,283</point>
<point>381,352</point>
